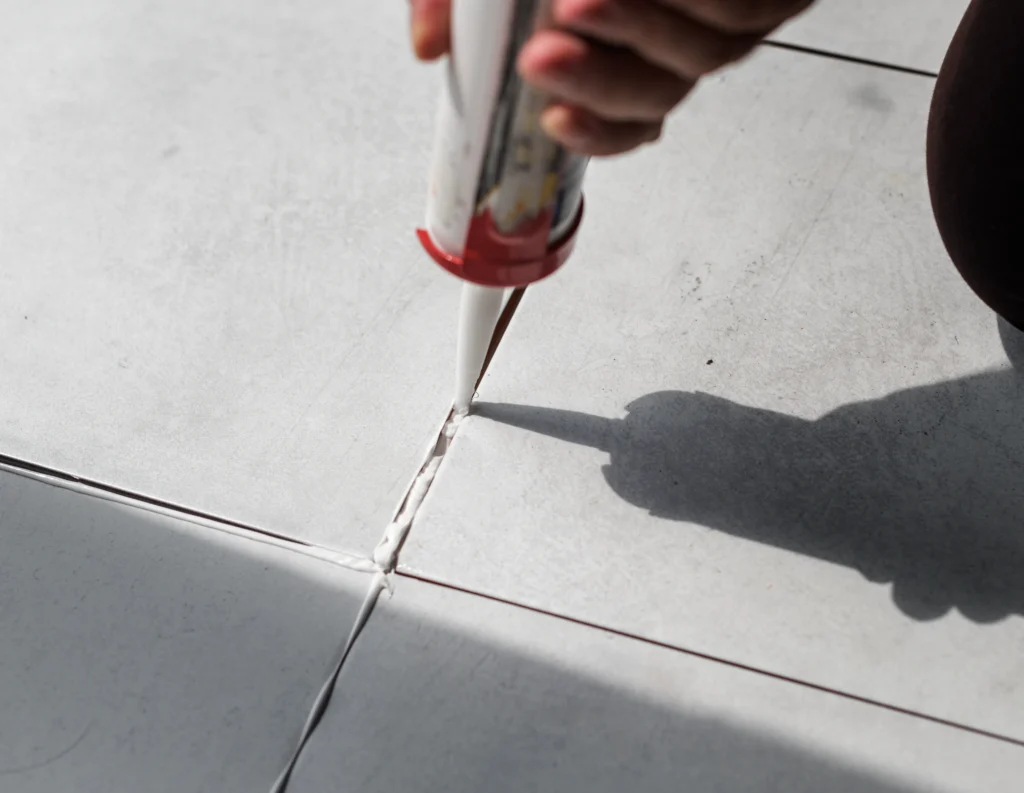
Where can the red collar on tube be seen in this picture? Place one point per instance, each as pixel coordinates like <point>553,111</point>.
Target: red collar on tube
<point>492,259</point>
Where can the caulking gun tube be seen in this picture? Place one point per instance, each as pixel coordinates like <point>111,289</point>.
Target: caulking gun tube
<point>505,200</point>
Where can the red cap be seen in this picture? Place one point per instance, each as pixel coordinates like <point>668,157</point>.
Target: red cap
<point>493,259</point>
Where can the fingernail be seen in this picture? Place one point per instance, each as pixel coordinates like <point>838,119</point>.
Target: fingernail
<point>420,31</point>
<point>550,125</point>
<point>555,76</point>
<point>560,124</point>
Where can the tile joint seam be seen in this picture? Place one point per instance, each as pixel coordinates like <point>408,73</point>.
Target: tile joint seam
<point>323,696</point>
<point>839,56</point>
<point>385,555</point>
<point>414,575</point>
<point>114,495</point>
<point>382,563</point>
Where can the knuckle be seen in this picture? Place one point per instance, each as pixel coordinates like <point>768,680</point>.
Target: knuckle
<point>746,16</point>
<point>723,50</point>
<point>602,9</point>
<point>674,92</point>
<point>711,54</point>
<point>729,16</point>
<point>654,133</point>
<point>587,11</point>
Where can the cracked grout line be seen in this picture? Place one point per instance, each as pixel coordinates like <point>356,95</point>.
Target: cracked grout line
<point>115,495</point>
<point>423,578</point>
<point>838,56</point>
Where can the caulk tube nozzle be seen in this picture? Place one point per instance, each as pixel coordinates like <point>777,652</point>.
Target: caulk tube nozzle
<point>478,314</point>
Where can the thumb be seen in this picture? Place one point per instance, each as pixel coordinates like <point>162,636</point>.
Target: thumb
<point>431,28</point>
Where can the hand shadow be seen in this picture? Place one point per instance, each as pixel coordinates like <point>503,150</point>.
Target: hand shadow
<point>923,488</point>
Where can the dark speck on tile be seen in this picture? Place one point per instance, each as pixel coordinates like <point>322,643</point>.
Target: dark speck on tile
<point>870,96</point>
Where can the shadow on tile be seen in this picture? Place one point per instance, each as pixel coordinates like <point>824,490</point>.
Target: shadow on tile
<point>501,705</point>
<point>923,488</point>
<point>143,653</point>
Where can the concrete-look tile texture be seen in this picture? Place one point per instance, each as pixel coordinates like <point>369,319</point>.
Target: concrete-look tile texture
<point>759,415</point>
<point>909,33</point>
<point>144,653</point>
<point>450,692</point>
<point>210,287</point>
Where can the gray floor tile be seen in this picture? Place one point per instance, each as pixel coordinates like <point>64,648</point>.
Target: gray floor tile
<point>446,691</point>
<point>143,654</point>
<point>210,287</point>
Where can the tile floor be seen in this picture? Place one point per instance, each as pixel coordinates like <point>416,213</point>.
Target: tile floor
<point>736,510</point>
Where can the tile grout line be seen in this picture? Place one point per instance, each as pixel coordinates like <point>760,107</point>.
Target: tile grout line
<point>385,555</point>
<point>326,692</point>
<point>416,576</point>
<point>838,56</point>
<point>115,495</point>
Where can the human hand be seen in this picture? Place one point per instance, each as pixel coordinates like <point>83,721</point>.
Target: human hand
<point>616,68</point>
